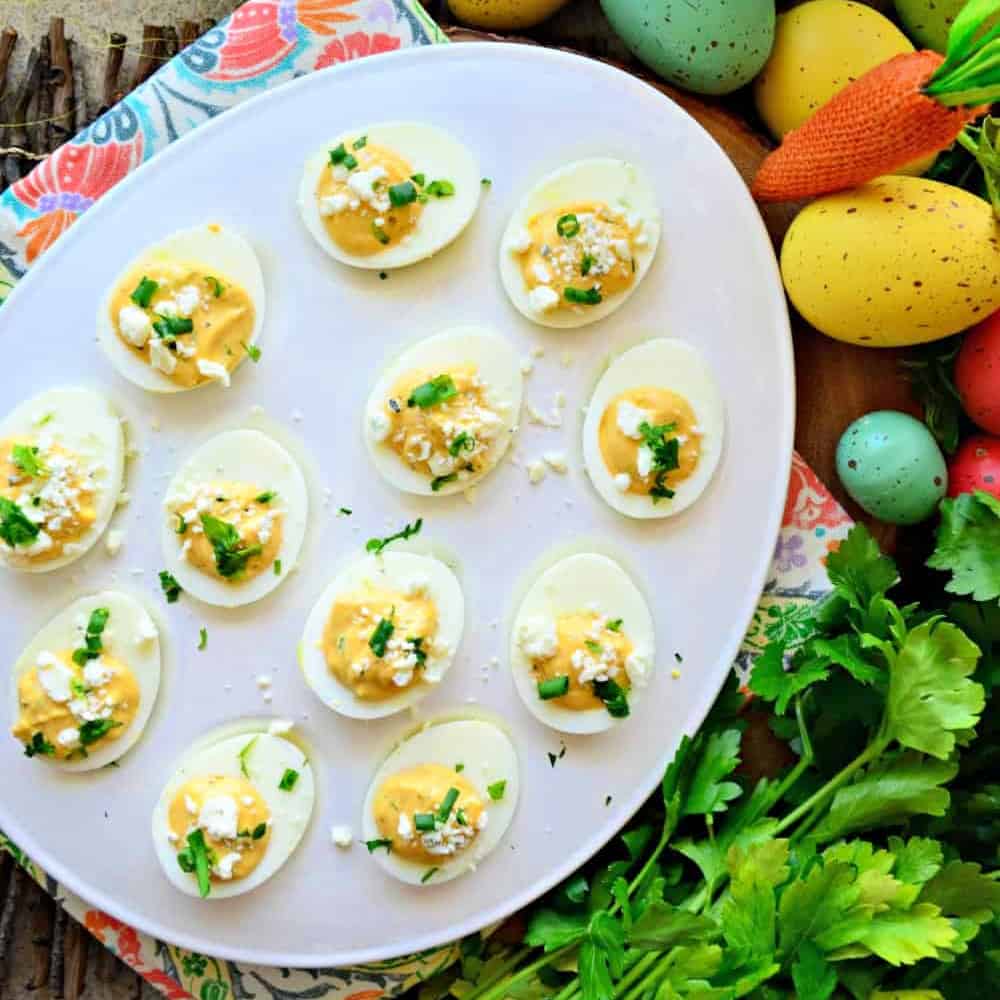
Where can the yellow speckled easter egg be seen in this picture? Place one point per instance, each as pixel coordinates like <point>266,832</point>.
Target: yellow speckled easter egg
<point>504,15</point>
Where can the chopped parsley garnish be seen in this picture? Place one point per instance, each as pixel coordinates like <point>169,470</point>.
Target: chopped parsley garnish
<point>78,688</point>
<point>486,182</point>
<point>44,419</point>
<point>440,189</point>
<point>424,822</point>
<point>217,287</point>
<point>376,545</point>
<point>244,754</point>
<point>567,225</point>
<point>255,834</point>
<point>231,554</point>
<point>594,647</point>
<point>464,440</point>
<point>277,567</point>
<point>402,194</point>
<point>15,526</point>
<point>288,780</point>
<point>614,698</point>
<point>39,747</point>
<point>428,875</point>
<point>447,804</point>
<point>266,497</point>
<point>417,648</point>
<point>497,789</point>
<point>381,636</point>
<point>553,687</point>
<point>25,457</point>
<point>678,657</point>
<point>340,157</point>
<point>438,481</point>
<point>434,392</point>
<point>374,845</point>
<point>459,768</point>
<point>666,456</point>
<point>143,293</point>
<point>582,296</point>
<point>92,647</point>
<point>253,351</point>
<point>202,638</point>
<point>92,730</point>
<point>346,511</point>
<point>586,263</point>
<point>182,525</point>
<point>379,233</point>
<point>360,143</point>
<point>418,179</point>
<point>170,587</point>
<point>460,818</point>
<point>169,327</point>
<point>195,858</point>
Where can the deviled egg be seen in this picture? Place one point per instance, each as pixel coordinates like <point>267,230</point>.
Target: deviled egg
<point>582,645</point>
<point>234,518</point>
<point>186,312</point>
<point>653,433</point>
<point>84,688</point>
<point>383,634</point>
<point>580,242</point>
<point>390,194</point>
<point>233,812</point>
<point>62,459</point>
<point>441,801</point>
<point>443,414</point>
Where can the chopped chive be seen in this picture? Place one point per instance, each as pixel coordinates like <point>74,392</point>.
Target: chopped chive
<point>360,143</point>
<point>202,638</point>
<point>288,780</point>
<point>277,567</point>
<point>170,587</point>
<point>615,625</point>
<point>497,790</point>
<point>402,194</point>
<point>346,511</point>
<point>424,822</point>
<point>258,831</point>
<point>553,687</point>
<point>244,754</point>
<point>376,545</point>
<point>253,351</point>
<point>217,287</point>
<point>374,845</point>
<point>586,263</point>
<point>460,818</point>
<point>459,768</point>
<point>582,296</point>
<point>143,293</point>
<point>266,497</point>
<point>567,225</point>
<point>418,179</point>
<point>379,233</point>
<point>381,636</point>
<point>438,390</point>
<point>594,647</point>
<point>428,875</point>
<point>182,525</point>
<point>450,798</point>
<point>440,189</point>
<point>340,157</point>
<point>195,859</point>
<point>169,327</point>
<point>438,481</point>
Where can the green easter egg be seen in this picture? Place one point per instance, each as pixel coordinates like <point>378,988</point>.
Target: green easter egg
<point>708,46</point>
<point>928,22</point>
<point>892,467</point>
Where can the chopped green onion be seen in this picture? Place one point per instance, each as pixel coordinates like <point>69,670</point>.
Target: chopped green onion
<point>381,636</point>
<point>360,143</point>
<point>582,296</point>
<point>182,525</point>
<point>402,194</point>
<point>459,768</point>
<point>143,293</point>
<point>195,859</point>
<point>376,545</point>
<point>374,845</point>
<point>450,798</point>
<point>277,567</point>
<point>567,225</point>
<point>244,755</point>
<point>440,189</point>
<point>615,625</point>
<point>438,481</point>
<point>497,789</point>
<point>288,780</point>
<point>379,233</point>
<point>170,587</point>
<point>217,287</point>
<point>266,497</point>
<point>424,822</point>
<point>202,638</point>
<point>586,263</point>
<point>258,831</point>
<point>340,157</point>
<point>553,687</point>
<point>464,440</point>
<point>614,698</point>
<point>418,179</point>
<point>253,351</point>
<point>432,393</point>
<point>428,875</point>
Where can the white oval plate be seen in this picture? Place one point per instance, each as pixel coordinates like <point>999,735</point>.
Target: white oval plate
<point>330,328</point>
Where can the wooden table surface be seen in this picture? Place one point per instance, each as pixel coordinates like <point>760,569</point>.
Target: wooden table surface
<point>43,953</point>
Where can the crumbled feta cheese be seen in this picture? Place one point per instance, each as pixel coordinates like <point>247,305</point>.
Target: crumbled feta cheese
<point>637,668</point>
<point>341,836</point>
<point>405,827</point>
<point>187,299</point>
<point>68,737</point>
<point>97,673</point>
<point>146,630</point>
<point>333,204</point>
<point>190,805</point>
<point>113,542</point>
<point>218,817</point>
<point>212,369</point>
<point>536,472</point>
<point>537,638</point>
<point>223,868</point>
<point>541,272</point>
<point>379,425</point>
<point>622,482</point>
<point>54,676</point>
<point>630,417</point>
<point>519,241</point>
<point>362,185</point>
<point>134,325</point>
<point>556,461</point>
<point>263,681</point>
<point>542,298</point>
<point>278,727</point>
<point>161,357</point>
<point>644,461</point>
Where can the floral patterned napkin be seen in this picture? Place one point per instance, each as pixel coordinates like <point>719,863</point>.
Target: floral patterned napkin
<point>263,44</point>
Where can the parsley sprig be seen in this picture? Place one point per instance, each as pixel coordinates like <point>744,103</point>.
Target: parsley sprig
<point>665,450</point>
<point>93,644</point>
<point>231,553</point>
<point>16,528</point>
<point>376,545</point>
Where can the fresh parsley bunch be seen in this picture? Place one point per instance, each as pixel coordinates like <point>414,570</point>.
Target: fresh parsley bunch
<point>843,876</point>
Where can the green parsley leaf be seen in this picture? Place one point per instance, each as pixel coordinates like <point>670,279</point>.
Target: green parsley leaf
<point>39,747</point>
<point>258,831</point>
<point>463,440</point>
<point>772,682</point>
<point>594,646</point>
<point>497,789</point>
<point>814,977</point>
<point>215,285</point>
<point>25,457</point>
<point>418,179</point>
<point>376,545</point>
<point>143,293</point>
<point>346,511</point>
<point>340,156</point>
<point>381,636</point>
<point>486,182</point>
<point>169,327</point>
<point>374,845</point>
<point>586,263</point>
<point>614,698</point>
<point>198,859</point>
<point>438,481</point>
<point>440,189</point>
<point>244,756</point>
<point>582,296</point>
<point>253,351</point>
<point>379,233</point>
<point>202,638</point>
<point>707,792</point>
<point>567,225</point>
<point>662,926</point>
<point>553,687</point>
<point>918,859</point>
<point>266,497</point>
<point>170,587</point>
<point>615,625</point>
<point>93,646</point>
<point>92,730</point>
<point>15,526</point>
<point>433,393</point>
<point>428,875</point>
<point>360,142</point>
<point>858,570</point>
<point>402,194</point>
<point>552,929</point>
<point>231,554</point>
<point>968,545</point>
<point>961,890</point>
<point>288,780</point>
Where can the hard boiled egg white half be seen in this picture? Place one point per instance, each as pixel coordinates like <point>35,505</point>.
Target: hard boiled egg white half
<point>234,518</point>
<point>441,801</point>
<point>580,242</point>
<point>85,686</point>
<point>233,812</point>
<point>62,459</point>
<point>387,195</point>
<point>188,311</point>
<point>582,645</point>
<point>653,433</point>
<point>443,414</point>
<point>383,634</point>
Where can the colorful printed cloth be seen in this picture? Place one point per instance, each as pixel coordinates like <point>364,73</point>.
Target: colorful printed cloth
<point>264,44</point>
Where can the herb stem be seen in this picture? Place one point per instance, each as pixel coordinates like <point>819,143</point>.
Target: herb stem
<point>650,861</point>
<point>637,971</point>
<point>495,992</point>
<point>654,971</point>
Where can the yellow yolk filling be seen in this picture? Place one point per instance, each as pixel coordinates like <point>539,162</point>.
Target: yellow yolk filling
<point>359,217</point>
<point>585,647</point>
<point>183,817</point>
<point>241,506</point>
<point>422,790</point>
<point>452,438</point>
<point>115,701</point>
<point>60,499</point>
<point>353,628</point>
<point>621,451</point>
<point>223,323</point>
<point>602,245</point>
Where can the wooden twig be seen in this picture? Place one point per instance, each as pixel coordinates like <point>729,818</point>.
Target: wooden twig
<point>39,129</point>
<point>12,891</point>
<point>207,24</point>
<point>112,69</point>
<point>57,954</point>
<point>189,32</point>
<point>152,40</point>
<point>171,42</point>
<point>8,39</point>
<point>63,122</point>
<point>81,108</point>
<point>16,137</point>
<point>77,941</point>
<point>41,916</point>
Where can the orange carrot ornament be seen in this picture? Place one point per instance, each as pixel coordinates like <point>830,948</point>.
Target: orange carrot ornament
<point>907,108</point>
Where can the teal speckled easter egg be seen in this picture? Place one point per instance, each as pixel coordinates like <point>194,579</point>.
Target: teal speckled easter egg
<point>708,46</point>
<point>892,467</point>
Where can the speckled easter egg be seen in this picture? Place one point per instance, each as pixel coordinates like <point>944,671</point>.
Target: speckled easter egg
<point>928,22</point>
<point>708,46</point>
<point>892,467</point>
<point>977,374</point>
<point>975,466</point>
